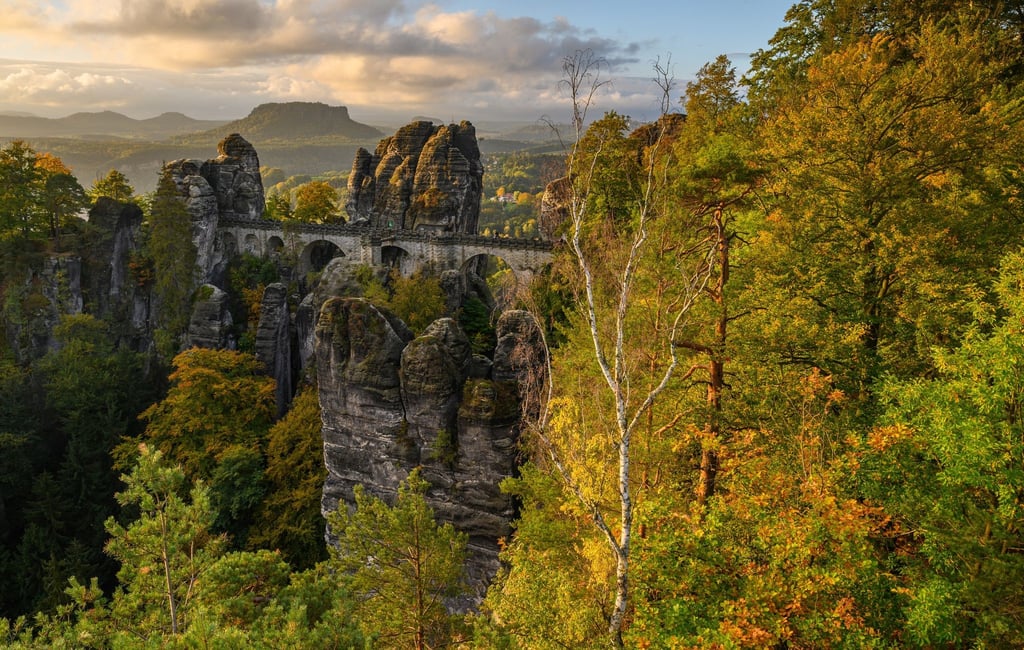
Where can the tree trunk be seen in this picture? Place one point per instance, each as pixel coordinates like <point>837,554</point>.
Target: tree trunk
<point>716,369</point>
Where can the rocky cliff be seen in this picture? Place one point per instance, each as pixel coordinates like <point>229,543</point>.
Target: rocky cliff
<point>230,186</point>
<point>391,402</point>
<point>100,278</point>
<point>424,177</point>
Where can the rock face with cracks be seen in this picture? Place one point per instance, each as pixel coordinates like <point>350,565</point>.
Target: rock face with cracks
<point>391,402</point>
<point>424,177</point>
<point>227,186</point>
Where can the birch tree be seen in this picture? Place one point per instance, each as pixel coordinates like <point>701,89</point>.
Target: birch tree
<point>616,199</point>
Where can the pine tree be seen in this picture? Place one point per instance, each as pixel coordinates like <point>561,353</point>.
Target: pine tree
<point>174,260</point>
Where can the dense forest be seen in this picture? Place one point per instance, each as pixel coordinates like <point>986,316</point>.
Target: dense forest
<point>782,405</point>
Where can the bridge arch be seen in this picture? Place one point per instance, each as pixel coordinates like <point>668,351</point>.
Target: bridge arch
<point>315,256</point>
<point>228,244</point>
<point>501,278</point>
<point>252,245</point>
<point>275,246</point>
<point>398,258</point>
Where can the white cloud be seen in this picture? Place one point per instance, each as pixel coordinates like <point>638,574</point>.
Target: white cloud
<point>408,56</point>
<point>58,86</point>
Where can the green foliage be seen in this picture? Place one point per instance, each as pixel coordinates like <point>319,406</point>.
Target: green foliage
<point>248,277</point>
<point>372,286</point>
<point>174,260</point>
<point>418,300</point>
<point>550,590</point>
<point>238,586</point>
<point>62,197</point>
<point>114,185</point>
<point>214,422</point>
<point>19,189</point>
<point>945,462</point>
<point>237,488</point>
<point>400,565</point>
<point>445,448</point>
<point>218,399</point>
<point>278,207</point>
<point>164,552</point>
<point>289,518</point>
<point>475,320</point>
<point>315,202</point>
<point>874,221</point>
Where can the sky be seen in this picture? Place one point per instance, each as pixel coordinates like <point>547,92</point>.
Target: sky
<point>384,59</point>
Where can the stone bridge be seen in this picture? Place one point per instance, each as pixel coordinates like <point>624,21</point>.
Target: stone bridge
<point>313,245</point>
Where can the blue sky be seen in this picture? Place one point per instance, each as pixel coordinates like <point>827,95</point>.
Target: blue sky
<point>384,59</point>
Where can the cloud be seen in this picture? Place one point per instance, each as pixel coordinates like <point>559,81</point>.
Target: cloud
<point>60,87</point>
<point>197,34</point>
<point>408,56</point>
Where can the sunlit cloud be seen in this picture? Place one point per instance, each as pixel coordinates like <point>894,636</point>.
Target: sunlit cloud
<point>403,56</point>
<point>57,86</point>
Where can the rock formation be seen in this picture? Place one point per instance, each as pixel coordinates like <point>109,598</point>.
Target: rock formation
<point>233,178</point>
<point>274,343</point>
<point>210,325</point>
<point>227,186</point>
<point>391,403</point>
<point>114,276</point>
<point>424,177</point>
<point>104,281</point>
<point>554,207</point>
<point>33,306</point>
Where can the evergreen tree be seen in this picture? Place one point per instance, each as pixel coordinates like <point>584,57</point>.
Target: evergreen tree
<point>114,185</point>
<point>174,261</point>
<point>289,517</point>
<point>400,565</point>
<point>163,552</point>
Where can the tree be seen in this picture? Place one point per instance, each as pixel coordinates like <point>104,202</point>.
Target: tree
<point>289,518</point>
<point>418,300</point>
<point>945,464</point>
<point>894,181</point>
<point>617,206</point>
<point>114,185</point>
<point>164,552</point>
<point>214,423</point>
<point>19,180</point>
<point>174,259</point>
<point>62,197</point>
<point>315,202</point>
<point>717,174</point>
<point>279,206</point>
<point>95,393</point>
<point>713,95</point>
<point>401,565</point>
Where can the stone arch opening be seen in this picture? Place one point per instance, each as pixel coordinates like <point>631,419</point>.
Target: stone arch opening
<point>399,259</point>
<point>228,244</point>
<point>275,246</point>
<point>252,245</point>
<point>316,255</point>
<point>497,277</point>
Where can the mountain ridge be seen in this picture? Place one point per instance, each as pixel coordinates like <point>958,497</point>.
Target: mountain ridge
<point>102,123</point>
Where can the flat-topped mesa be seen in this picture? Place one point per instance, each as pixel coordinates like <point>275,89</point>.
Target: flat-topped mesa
<point>424,177</point>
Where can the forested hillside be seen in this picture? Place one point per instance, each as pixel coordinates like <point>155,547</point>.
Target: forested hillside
<point>781,406</point>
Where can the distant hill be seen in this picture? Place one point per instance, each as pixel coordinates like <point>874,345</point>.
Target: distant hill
<point>293,121</point>
<point>106,123</point>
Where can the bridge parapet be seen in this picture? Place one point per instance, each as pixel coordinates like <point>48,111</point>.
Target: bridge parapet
<point>363,243</point>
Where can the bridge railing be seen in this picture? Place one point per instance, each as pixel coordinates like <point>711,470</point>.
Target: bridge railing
<point>385,235</point>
